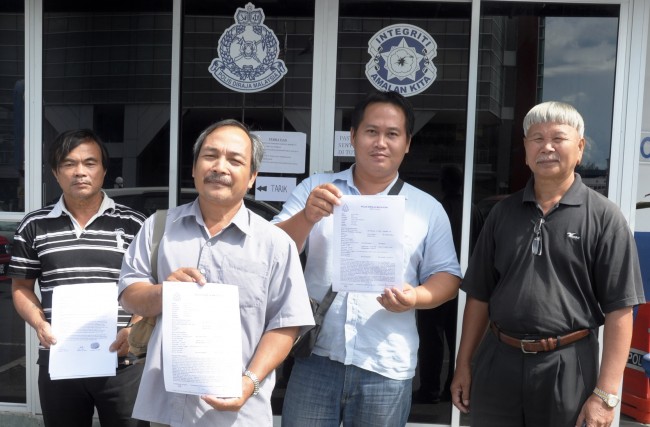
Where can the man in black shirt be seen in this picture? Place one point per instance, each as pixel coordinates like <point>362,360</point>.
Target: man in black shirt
<point>554,262</point>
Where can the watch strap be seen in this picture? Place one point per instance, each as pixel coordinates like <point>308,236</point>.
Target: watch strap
<point>256,382</point>
<point>611,400</point>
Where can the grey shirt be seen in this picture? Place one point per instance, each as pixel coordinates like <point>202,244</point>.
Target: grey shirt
<point>251,253</point>
<point>588,266</point>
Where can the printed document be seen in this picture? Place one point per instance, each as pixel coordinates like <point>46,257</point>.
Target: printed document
<point>202,346</point>
<point>368,243</point>
<point>84,323</point>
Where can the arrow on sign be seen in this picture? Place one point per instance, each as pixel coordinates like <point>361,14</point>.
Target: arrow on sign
<point>261,188</point>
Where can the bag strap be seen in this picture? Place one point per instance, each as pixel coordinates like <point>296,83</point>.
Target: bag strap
<point>319,315</point>
<point>160,217</point>
<point>396,188</point>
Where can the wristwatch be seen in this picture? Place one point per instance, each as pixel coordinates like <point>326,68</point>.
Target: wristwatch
<point>610,400</point>
<point>256,382</point>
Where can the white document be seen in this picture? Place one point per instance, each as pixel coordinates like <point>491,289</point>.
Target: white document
<point>84,322</point>
<point>368,243</point>
<point>202,349</point>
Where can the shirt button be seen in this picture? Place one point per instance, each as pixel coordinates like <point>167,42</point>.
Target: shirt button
<point>209,243</point>
<point>202,271</point>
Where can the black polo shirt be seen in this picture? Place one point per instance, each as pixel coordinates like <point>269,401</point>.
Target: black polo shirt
<point>48,248</point>
<point>588,266</point>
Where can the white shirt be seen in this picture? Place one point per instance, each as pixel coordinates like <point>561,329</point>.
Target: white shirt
<point>357,330</point>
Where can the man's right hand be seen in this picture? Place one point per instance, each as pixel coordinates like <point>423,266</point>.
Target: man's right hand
<point>187,274</point>
<point>321,202</point>
<point>44,333</point>
<point>460,388</point>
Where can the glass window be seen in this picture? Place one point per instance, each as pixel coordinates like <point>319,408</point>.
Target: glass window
<point>12,333</point>
<point>251,88</point>
<point>107,67</point>
<point>12,105</point>
<point>420,49</point>
<point>12,192</point>
<point>531,53</point>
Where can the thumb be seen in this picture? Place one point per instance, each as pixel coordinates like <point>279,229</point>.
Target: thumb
<point>465,396</point>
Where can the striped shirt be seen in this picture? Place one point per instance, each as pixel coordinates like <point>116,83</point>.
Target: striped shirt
<point>50,246</point>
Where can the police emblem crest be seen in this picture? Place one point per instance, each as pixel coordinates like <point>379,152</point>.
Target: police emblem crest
<point>248,54</point>
<point>401,59</point>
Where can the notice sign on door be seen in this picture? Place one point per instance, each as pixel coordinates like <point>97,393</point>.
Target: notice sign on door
<point>273,189</point>
<point>342,144</point>
<point>284,152</point>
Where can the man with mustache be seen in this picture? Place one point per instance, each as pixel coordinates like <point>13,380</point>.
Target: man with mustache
<point>363,363</point>
<point>553,262</point>
<point>81,239</point>
<point>217,239</point>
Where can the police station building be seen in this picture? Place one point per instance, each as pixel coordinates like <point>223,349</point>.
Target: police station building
<point>149,75</point>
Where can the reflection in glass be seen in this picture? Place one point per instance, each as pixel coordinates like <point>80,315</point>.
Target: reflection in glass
<point>12,192</point>
<point>12,106</point>
<point>581,72</point>
<point>12,333</point>
<point>532,53</point>
<point>108,67</point>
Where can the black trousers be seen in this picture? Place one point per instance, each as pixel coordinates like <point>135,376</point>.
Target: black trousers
<point>72,402</point>
<point>513,389</point>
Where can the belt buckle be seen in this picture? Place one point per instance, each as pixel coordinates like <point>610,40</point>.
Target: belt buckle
<point>523,350</point>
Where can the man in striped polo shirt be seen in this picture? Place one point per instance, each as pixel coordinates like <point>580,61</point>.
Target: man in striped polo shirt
<point>80,239</point>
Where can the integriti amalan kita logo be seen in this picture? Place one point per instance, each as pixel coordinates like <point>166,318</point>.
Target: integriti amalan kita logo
<point>248,54</point>
<point>401,59</point>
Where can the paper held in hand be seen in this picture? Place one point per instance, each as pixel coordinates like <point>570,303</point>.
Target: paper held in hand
<point>84,323</point>
<point>202,347</point>
<point>368,243</point>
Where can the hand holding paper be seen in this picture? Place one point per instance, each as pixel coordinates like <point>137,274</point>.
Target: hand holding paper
<point>84,320</point>
<point>368,243</point>
<point>202,346</point>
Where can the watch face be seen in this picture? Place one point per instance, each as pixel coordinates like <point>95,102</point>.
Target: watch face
<point>612,400</point>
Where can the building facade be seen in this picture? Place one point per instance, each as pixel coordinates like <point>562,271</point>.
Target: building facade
<point>148,75</point>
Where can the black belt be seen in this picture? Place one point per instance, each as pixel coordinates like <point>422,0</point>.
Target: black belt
<point>539,345</point>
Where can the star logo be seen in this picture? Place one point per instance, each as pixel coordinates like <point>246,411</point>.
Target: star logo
<point>402,61</point>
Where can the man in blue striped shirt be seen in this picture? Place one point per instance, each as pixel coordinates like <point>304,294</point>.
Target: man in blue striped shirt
<point>79,240</point>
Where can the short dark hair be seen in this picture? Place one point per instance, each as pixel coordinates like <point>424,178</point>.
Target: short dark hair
<point>257,147</point>
<point>71,139</point>
<point>389,97</point>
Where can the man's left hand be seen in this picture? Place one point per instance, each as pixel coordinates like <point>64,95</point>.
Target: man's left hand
<point>398,301</point>
<point>121,343</point>
<point>595,413</point>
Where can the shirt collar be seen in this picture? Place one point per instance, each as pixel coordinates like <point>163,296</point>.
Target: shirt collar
<point>347,176</point>
<point>59,207</point>
<point>241,220</point>
<point>575,195</point>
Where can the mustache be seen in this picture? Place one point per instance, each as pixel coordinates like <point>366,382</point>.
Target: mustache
<point>215,178</point>
<point>80,181</point>
<point>553,157</point>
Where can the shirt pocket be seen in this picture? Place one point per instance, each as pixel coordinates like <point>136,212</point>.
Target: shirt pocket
<point>250,277</point>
